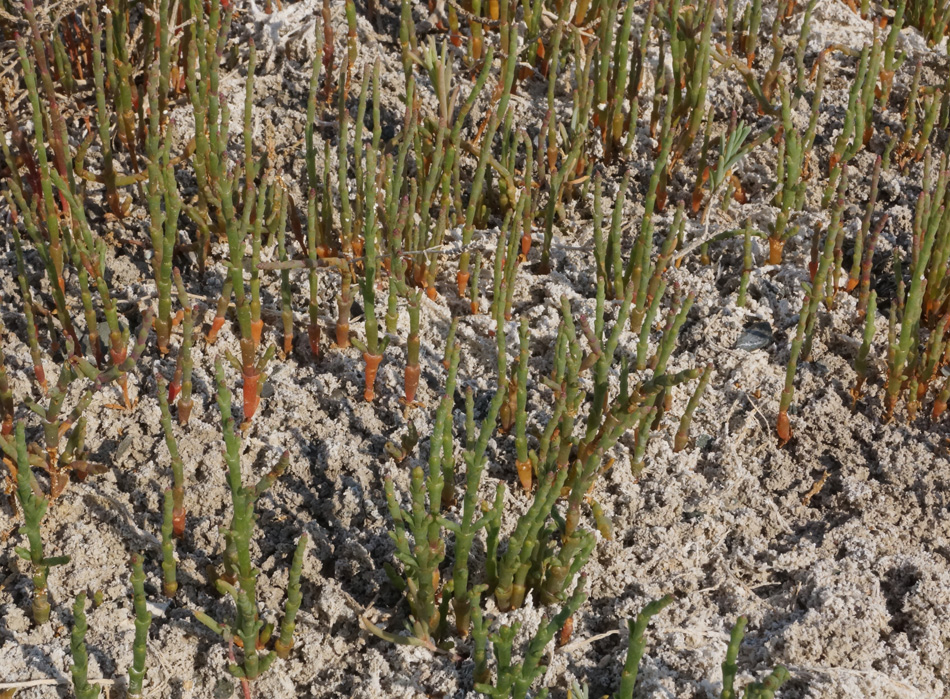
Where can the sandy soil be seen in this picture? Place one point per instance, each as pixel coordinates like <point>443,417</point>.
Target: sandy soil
<point>836,546</point>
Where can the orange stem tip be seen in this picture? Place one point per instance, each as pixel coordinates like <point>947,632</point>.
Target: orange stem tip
<point>372,366</point>
<point>412,381</point>
<point>313,334</point>
<point>461,280</point>
<point>524,474</point>
<point>783,427</point>
<point>251,396</point>
<point>216,326</point>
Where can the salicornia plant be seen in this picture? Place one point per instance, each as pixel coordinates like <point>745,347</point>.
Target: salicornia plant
<point>374,347</point>
<point>240,578</point>
<point>765,689</point>
<point>34,508</point>
<point>515,679</point>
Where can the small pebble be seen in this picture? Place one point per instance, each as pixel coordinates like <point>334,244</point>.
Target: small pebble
<point>123,447</point>
<point>758,335</point>
<point>222,689</point>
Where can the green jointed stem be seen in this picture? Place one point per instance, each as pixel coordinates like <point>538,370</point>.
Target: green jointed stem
<point>178,467</point>
<point>870,246</point>
<point>346,217</point>
<point>565,566</point>
<point>395,280</point>
<point>406,36</point>
<point>910,110</point>
<point>52,423</point>
<point>286,291</point>
<point>285,642</point>
<point>522,461</point>
<point>751,24</point>
<point>940,402</point>
<point>498,265</point>
<point>803,46</point>
<point>169,565</point>
<point>413,344</point>
<point>682,434</point>
<point>34,509</point>
<point>613,265</point>
<point>730,26</point>
<point>637,645</point>
<point>511,258</point>
<point>373,347</point>
<point>890,63</point>
<point>117,371</point>
<point>184,357</point>
<point>930,116</point>
<point>373,344</point>
<point>164,52</point>
<point>473,283</point>
<point>861,362</point>
<point>670,333</point>
<point>698,85</point>
<point>77,646</point>
<point>58,136</point>
<point>450,342</point>
<point>242,498</point>
<point>927,365</point>
<point>6,397</point>
<point>313,309</point>
<point>851,137</point>
<point>422,560</point>
<point>443,459</point>
<point>143,619</point>
<point>621,71</point>
<point>125,83</point>
<point>480,624</point>
<point>311,151</point>
<point>257,325</point>
<point>647,326</point>
<point>778,48</point>
<point>729,667</point>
